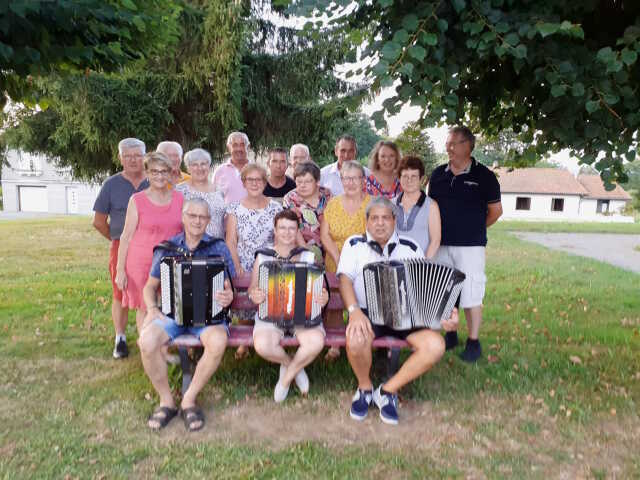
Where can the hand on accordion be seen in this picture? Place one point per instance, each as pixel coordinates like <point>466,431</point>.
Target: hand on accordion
<point>225,297</point>
<point>451,324</point>
<point>257,295</point>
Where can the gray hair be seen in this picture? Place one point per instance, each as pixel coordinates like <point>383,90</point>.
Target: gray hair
<point>307,167</point>
<point>195,155</point>
<point>301,146</point>
<point>353,165</point>
<point>131,143</point>
<point>348,138</point>
<point>152,158</point>
<point>195,201</point>
<point>162,145</point>
<point>243,135</point>
<point>380,202</point>
<point>465,133</point>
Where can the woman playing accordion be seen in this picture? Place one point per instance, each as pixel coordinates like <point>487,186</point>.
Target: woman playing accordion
<point>303,295</point>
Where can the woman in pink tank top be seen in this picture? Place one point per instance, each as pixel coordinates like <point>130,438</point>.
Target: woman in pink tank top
<point>153,215</point>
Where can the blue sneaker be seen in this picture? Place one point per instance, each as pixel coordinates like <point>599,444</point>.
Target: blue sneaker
<point>360,404</point>
<point>388,405</point>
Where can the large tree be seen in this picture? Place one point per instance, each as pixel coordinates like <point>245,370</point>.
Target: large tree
<point>413,140</point>
<point>231,68</point>
<point>560,74</point>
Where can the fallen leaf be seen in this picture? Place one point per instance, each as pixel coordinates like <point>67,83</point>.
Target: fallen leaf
<point>552,393</point>
<point>575,359</point>
<point>492,358</point>
<point>613,411</point>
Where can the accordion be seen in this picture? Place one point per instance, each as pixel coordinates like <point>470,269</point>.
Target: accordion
<point>188,287</point>
<point>411,293</point>
<point>292,290</point>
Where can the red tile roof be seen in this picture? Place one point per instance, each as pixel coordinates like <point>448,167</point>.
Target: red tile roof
<point>539,180</point>
<point>595,186</point>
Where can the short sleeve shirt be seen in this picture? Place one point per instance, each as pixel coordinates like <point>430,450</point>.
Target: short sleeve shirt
<point>358,252</point>
<point>113,200</point>
<point>330,178</point>
<point>463,201</point>
<point>278,193</point>
<point>203,250</point>
<point>226,179</point>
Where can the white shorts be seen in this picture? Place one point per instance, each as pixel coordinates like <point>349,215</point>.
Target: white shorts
<point>261,325</point>
<point>470,261</point>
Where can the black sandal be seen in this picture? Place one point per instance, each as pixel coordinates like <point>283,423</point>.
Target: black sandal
<point>191,416</point>
<point>162,415</point>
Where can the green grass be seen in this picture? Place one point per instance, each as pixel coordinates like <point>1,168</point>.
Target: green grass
<point>550,227</point>
<point>557,390</point>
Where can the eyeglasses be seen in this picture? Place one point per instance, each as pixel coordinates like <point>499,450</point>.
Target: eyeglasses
<point>410,178</point>
<point>453,144</point>
<point>351,179</point>
<point>193,216</point>
<point>254,180</point>
<point>158,173</point>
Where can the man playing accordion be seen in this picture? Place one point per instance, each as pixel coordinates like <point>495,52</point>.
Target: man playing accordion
<point>381,242</point>
<point>160,329</point>
<point>266,334</point>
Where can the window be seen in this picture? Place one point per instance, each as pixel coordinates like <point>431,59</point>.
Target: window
<point>603,206</point>
<point>557,204</point>
<point>29,164</point>
<point>523,203</point>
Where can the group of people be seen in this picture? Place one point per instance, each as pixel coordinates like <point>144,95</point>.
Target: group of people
<point>344,216</point>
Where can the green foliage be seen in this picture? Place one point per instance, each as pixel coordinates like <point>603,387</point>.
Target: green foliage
<point>504,148</point>
<point>356,125</point>
<point>38,37</point>
<point>413,140</point>
<point>560,74</point>
<point>230,69</point>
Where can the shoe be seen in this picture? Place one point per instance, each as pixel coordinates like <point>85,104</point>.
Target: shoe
<point>388,405</point>
<point>472,351</point>
<point>360,404</point>
<point>121,350</point>
<point>302,382</point>
<point>280,392</point>
<point>451,340</point>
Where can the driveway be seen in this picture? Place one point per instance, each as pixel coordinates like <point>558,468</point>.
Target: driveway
<point>613,248</point>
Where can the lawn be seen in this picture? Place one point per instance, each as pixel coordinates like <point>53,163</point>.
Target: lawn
<point>555,396</point>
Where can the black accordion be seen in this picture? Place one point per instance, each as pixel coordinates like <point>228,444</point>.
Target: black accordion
<point>411,293</point>
<point>292,290</point>
<point>188,288</point>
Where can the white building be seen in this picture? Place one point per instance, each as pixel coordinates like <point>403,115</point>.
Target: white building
<point>546,194</point>
<point>32,183</point>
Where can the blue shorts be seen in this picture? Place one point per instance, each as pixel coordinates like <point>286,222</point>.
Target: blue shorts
<point>174,330</point>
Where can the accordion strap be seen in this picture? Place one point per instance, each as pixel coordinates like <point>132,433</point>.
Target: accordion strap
<point>271,252</point>
<point>185,252</point>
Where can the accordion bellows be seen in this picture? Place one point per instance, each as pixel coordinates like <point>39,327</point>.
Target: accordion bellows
<point>411,293</point>
<point>188,288</point>
<point>292,290</point>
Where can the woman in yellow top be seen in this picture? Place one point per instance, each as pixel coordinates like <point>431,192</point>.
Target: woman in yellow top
<point>344,216</point>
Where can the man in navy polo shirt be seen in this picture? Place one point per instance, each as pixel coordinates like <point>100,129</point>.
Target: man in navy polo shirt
<point>468,195</point>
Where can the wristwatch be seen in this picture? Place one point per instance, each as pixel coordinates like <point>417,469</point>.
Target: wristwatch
<point>352,308</point>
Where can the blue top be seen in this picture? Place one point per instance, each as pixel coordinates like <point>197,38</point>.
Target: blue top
<point>203,250</point>
<point>463,201</point>
<point>113,200</point>
<point>415,223</point>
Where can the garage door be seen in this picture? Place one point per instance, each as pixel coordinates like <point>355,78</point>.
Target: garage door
<point>33,199</point>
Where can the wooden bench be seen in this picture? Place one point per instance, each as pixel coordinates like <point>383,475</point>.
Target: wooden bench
<point>242,335</point>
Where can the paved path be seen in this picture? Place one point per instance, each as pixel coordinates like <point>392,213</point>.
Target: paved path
<point>613,248</point>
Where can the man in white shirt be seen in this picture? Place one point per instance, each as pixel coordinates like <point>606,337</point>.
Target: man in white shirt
<point>381,242</point>
<point>346,149</point>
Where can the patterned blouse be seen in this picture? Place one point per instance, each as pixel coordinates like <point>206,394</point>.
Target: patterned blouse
<point>216,207</point>
<point>255,229</point>
<point>375,188</point>
<point>308,215</point>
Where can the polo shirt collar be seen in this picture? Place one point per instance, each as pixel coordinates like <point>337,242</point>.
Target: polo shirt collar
<point>466,170</point>
<point>388,247</point>
<point>182,241</point>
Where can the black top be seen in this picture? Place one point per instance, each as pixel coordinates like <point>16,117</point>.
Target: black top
<point>463,201</point>
<point>271,192</point>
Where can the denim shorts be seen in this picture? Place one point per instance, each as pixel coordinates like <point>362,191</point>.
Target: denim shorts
<point>174,330</point>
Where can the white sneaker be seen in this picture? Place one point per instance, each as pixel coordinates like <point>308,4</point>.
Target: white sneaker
<point>280,392</point>
<point>302,381</point>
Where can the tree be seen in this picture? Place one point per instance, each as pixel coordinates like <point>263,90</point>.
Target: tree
<point>413,140</point>
<point>502,149</point>
<point>561,74</point>
<point>38,37</point>
<point>230,69</point>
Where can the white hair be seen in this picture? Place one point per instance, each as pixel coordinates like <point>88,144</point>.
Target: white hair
<point>380,202</point>
<point>353,165</point>
<point>195,155</point>
<point>131,143</point>
<point>162,145</point>
<point>195,201</point>
<point>301,146</point>
<point>245,139</point>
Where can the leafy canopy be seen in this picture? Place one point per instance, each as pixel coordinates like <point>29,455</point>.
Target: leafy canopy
<point>560,74</point>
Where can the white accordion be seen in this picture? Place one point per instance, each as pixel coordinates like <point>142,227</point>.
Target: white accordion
<point>411,293</point>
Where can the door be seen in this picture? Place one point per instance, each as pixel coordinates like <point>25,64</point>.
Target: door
<point>33,199</point>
